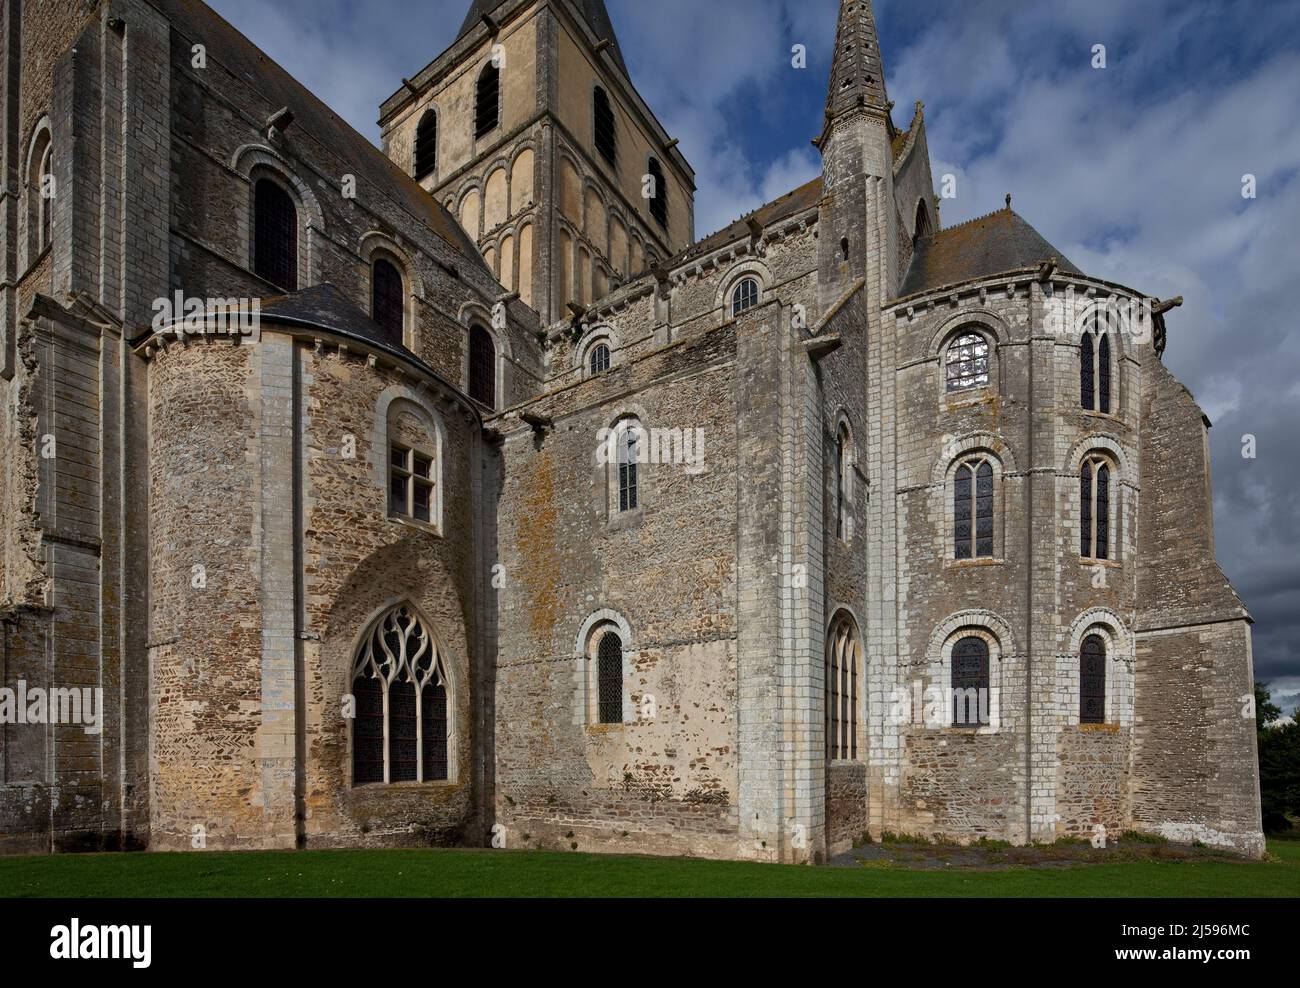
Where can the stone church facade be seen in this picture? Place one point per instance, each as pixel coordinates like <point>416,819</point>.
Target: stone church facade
<point>455,494</point>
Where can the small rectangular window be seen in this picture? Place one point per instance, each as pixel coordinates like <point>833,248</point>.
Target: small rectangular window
<point>410,487</point>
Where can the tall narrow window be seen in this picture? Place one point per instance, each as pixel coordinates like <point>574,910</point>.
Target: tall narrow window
<point>599,361</point>
<point>609,679</point>
<point>426,145</point>
<point>1092,681</point>
<point>744,296</point>
<point>482,367</point>
<point>400,730</point>
<point>46,193</point>
<point>386,306</point>
<point>606,137</point>
<point>1094,367</point>
<point>968,362</point>
<point>629,449</point>
<point>659,190</point>
<point>275,235</point>
<point>843,481</point>
<point>1094,497</point>
<point>842,689</point>
<point>970,683</point>
<point>972,510</point>
<point>487,106</point>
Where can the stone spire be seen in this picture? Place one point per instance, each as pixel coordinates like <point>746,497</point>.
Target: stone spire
<point>857,72</point>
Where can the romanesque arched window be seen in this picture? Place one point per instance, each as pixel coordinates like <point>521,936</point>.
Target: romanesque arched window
<point>487,103</point>
<point>426,144</point>
<point>1094,366</point>
<point>482,367</point>
<point>603,124</point>
<point>387,306</point>
<point>972,509</point>
<point>967,362</point>
<point>628,446</point>
<point>399,733</point>
<point>970,682</point>
<point>609,678</point>
<point>659,190</point>
<point>744,296</point>
<point>843,686</point>
<point>1094,497</point>
<point>275,234</point>
<point>1092,681</point>
<point>46,194</point>
<point>599,358</point>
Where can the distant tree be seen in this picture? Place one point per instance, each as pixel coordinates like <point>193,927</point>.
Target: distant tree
<point>1279,762</point>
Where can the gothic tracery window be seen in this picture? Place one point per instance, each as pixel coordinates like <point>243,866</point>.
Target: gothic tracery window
<point>1094,497</point>
<point>972,509</point>
<point>1092,681</point>
<point>275,234</point>
<point>1094,366</point>
<point>843,686</point>
<point>744,296</point>
<point>400,687</point>
<point>967,363</point>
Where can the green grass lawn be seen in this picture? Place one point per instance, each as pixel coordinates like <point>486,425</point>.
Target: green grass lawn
<point>469,873</point>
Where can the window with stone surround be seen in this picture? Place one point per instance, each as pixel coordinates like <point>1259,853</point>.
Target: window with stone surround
<point>843,688</point>
<point>482,367</point>
<point>1095,365</point>
<point>1092,680</point>
<point>426,144</point>
<point>599,359</point>
<point>400,688</point>
<point>487,102</point>
<point>39,198</point>
<point>603,645</point>
<point>744,296</point>
<point>275,234</point>
<point>972,509</point>
<point>414,464</point>
<point>970,682</point>
<point>843,493</point>
<point>966,362</point>
<point>1095,507</point>
<point>609,679</point>
<point>387,301</point>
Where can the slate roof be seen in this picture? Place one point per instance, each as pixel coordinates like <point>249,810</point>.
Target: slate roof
<point>196,21</point>
<point>980,248</point>
<point>325,305</point>
<point>593,10</point>
<point>805,197</point>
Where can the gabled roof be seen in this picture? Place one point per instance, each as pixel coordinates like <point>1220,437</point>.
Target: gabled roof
<point>196,21</point>
<point>593,11</point>
<point>980,248</point>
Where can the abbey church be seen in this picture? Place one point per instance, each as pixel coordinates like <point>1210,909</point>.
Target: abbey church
<point>453,493</point>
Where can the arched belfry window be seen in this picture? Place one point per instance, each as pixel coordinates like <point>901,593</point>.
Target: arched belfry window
<point>744,296</point>
<point>1094,367</point>
<point>482,367</point>
<point>970,682</point>
<point>275,234</point>
<point>972,509</point>
<point>967,362</point>
<point>400,687</point>
<point>609,679</point>
<point>843,688</point>
<point>603,125</point>
<point>487,104</point>
<point>1095,516</point>
<point>659,190</point>
<point>599,358</point>
<point>386,299</point>
<point>1092,681</point>
<point>426,144</point>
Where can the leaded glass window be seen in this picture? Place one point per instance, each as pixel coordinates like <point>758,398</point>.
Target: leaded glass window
<point>629,450</point>
<point>1095,513</point>
<point>599,361</point>
<point>609,679</point>
<point>970,682</point>
<point>1092,681</point>
<point>843,686</point>
<point>968,362</point>
<point>744,296</point>
<point>399,684</point>
<point>972,510</point>
<point>386,306</point>
<point>1095,366</point>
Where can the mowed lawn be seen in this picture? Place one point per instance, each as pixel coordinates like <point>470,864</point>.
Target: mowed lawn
<point>475,873</point>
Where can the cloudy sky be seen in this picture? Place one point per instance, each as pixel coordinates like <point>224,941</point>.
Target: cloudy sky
<point>1134,171</point>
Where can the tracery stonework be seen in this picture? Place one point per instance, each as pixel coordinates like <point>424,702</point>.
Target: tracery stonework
<point>368,576</point>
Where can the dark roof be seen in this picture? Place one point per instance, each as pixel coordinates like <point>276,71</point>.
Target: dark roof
<point>983,247</point>
<point>267,79</point>
<point>805,197</point>
<point>324,305</point>
<point>593,10</point>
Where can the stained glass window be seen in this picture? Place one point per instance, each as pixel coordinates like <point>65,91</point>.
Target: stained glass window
<point>968,362</point>
<point>1092,681</point>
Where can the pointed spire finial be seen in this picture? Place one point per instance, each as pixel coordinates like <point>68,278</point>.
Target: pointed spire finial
<point>857,73</point>
<point>1008,200</point>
